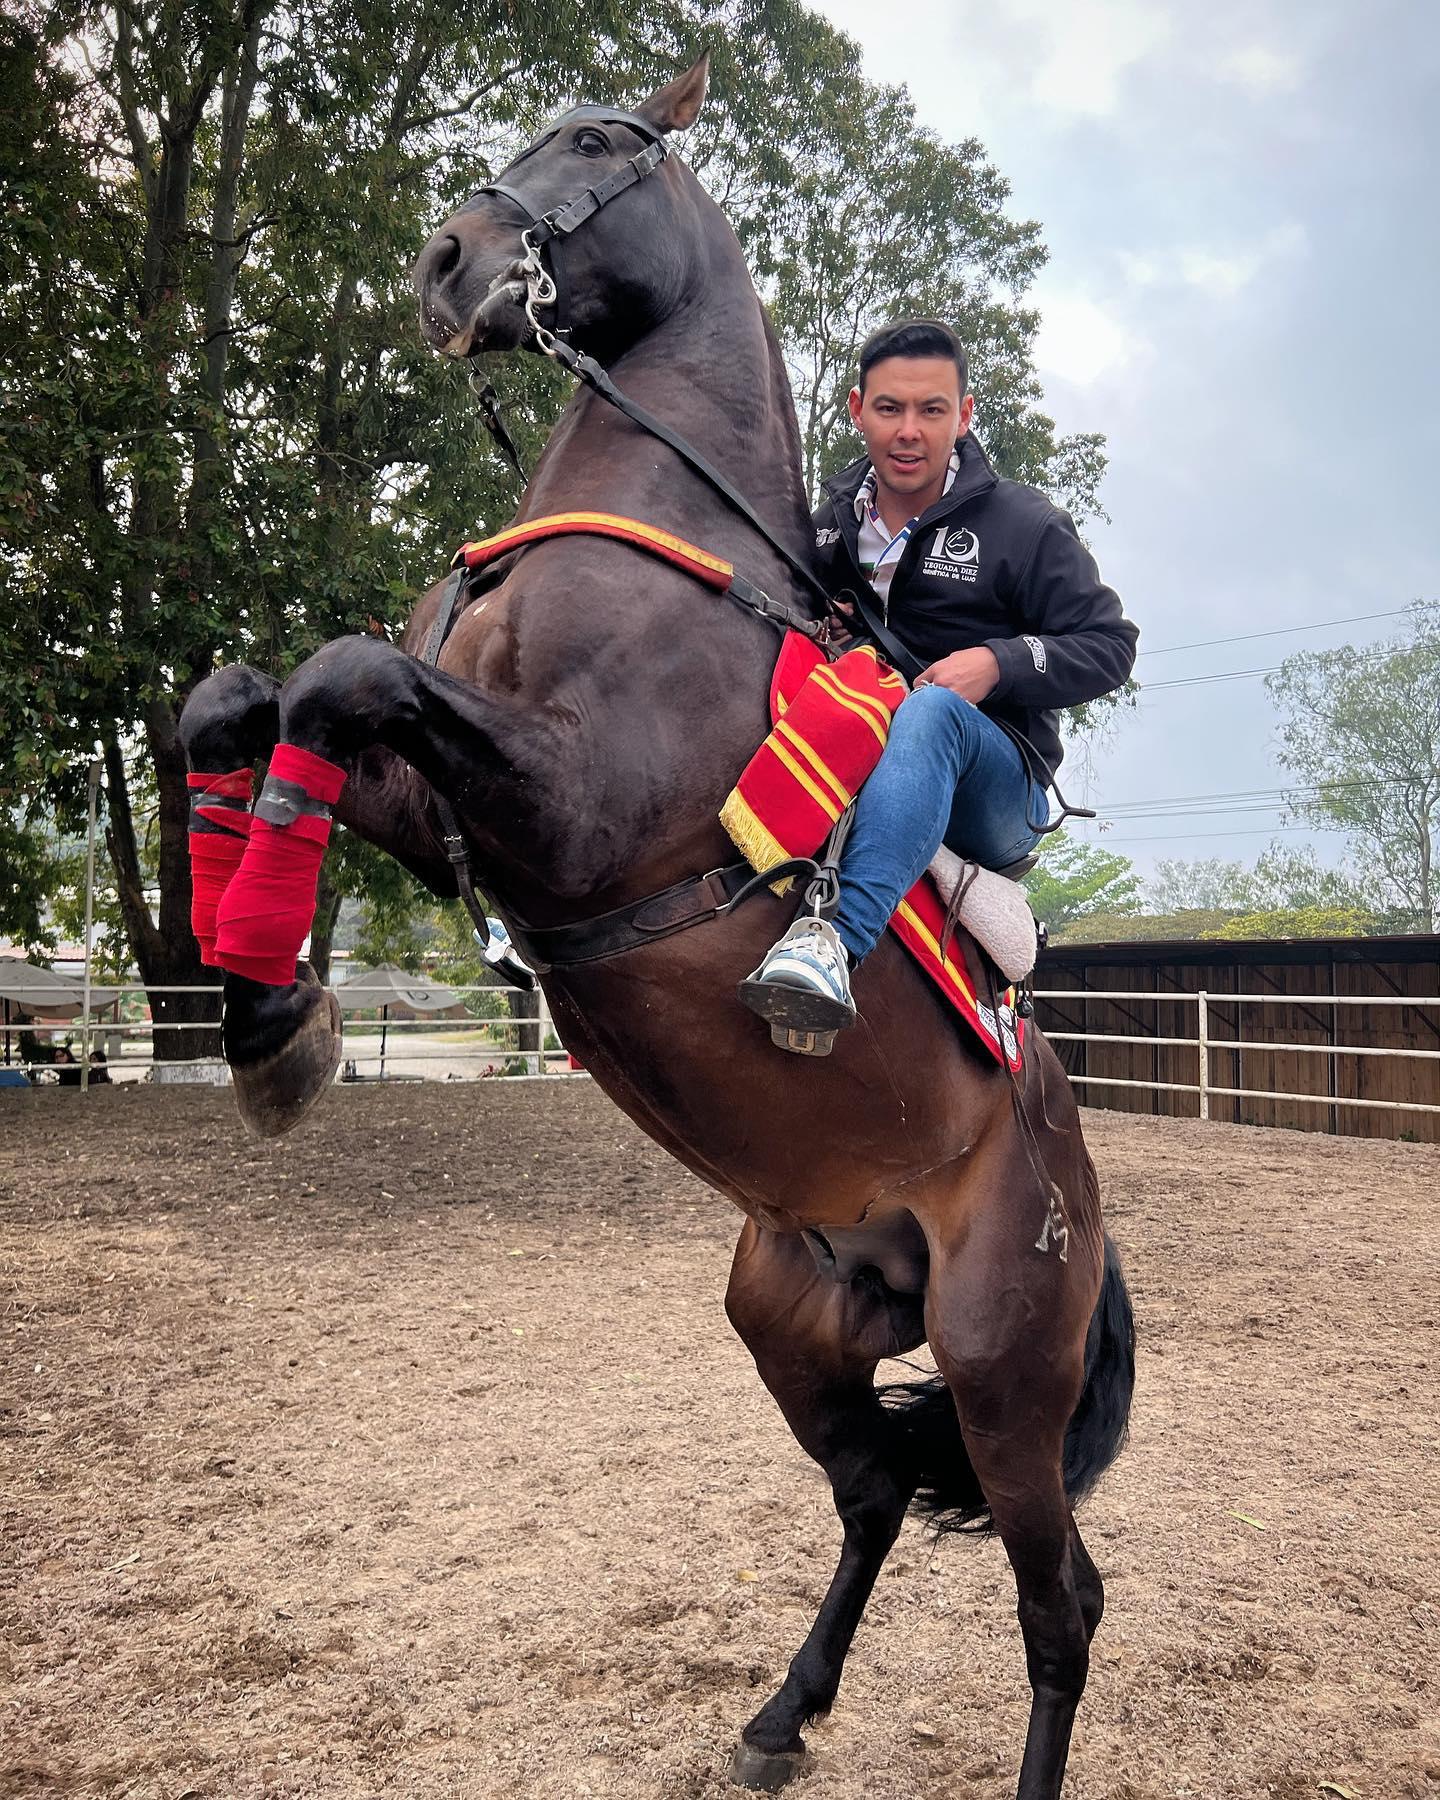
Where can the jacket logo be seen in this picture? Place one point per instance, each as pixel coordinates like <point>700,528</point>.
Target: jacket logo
<point>826,536</point>
<point>954,554</point>
<point>1037,652</point>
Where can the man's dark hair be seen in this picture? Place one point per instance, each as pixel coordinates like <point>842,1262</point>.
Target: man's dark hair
<point>914,337</point>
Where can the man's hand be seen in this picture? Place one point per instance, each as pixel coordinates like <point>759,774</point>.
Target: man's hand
<point>972,674</point>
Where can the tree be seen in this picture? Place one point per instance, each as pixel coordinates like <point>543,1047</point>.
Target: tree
<point>1295,922</point>
<point>1362,729</point>
<point>1208,883</point>
<point>223,438</point>
<point>1074,881</point>
<point>1283,881</point>
<point>1145,928</point>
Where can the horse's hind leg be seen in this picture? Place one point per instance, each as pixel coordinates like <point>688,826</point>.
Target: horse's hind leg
<point>816,1343</point>
<point>1007,1323</point>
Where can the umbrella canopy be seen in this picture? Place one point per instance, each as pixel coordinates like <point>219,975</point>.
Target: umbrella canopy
<point>397,989</point>
<point>43,994</point>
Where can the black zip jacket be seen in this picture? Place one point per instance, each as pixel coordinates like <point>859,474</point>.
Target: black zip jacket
<point>993,563</point>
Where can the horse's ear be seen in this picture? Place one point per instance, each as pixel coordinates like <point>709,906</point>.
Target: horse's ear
<point>676,106</point>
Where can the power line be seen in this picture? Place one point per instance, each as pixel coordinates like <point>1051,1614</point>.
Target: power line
<point>1239,800</point>
<point>1104,840</point>
<point>1279,631</point>
<point>1299,788</point>
<point>1153,687</point>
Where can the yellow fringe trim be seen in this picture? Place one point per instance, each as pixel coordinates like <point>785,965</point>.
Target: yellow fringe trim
<point>760,848</point>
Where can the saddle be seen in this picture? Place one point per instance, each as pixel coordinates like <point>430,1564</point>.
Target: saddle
<point>831,723</point>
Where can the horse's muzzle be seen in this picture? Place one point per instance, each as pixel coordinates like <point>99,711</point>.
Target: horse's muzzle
<point>470,296</point>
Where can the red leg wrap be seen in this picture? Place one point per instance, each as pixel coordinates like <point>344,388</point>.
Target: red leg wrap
<point>215,854</point>
<point>268,907</point>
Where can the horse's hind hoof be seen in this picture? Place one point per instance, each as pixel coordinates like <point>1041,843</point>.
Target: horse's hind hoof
<point>278,1088</point>
<point>767,1770</point>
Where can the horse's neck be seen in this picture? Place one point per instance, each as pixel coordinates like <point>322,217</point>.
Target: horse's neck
<point>629,804</point>
<point>713,372</point>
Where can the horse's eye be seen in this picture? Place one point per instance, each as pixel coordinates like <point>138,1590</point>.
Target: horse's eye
<point>591,143</point>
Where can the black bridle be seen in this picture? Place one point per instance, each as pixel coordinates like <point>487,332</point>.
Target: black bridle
<point>542,269</point>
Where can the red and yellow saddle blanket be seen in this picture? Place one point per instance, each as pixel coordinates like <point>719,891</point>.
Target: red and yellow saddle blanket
<point>831,723</point>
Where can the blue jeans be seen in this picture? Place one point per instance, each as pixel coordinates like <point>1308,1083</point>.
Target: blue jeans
<point>948,775</point>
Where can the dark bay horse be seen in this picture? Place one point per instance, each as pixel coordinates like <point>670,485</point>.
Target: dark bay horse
<point>589,712</point>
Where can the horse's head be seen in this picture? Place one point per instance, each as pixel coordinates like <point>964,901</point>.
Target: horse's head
<point>620,267</point>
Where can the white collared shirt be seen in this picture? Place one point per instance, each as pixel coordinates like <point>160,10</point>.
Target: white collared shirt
<point>876,551</point>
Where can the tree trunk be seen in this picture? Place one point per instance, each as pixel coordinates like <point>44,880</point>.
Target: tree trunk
<point>529,1035</point>
<point>322,928</point>
<point>165,954</point>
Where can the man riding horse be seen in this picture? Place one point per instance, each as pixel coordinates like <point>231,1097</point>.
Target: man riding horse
<point>987,598</point>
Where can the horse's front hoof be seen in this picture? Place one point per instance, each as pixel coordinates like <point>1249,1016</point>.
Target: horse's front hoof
<point>277,1088</point>
<point>767,1770</point>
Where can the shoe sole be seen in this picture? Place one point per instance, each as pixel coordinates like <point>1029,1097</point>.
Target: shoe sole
<point>795,1011</point>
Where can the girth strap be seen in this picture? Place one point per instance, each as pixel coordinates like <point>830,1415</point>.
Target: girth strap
<point>689,902</point>
<point>645,921</point>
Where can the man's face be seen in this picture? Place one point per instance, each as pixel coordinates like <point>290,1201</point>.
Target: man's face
<point>910,415</point>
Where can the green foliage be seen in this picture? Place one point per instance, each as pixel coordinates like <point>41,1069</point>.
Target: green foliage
<point>1208,883</point>
<point>1296,922</point>
<point>1144,928</point>
<point>1074,881</point>
<point>1283,881</point>
<point>30,864</point>
<point>1362,730</point>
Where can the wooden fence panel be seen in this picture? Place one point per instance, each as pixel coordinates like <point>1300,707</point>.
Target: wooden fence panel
<point>1298,975</point>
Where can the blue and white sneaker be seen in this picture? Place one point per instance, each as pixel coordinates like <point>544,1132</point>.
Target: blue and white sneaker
<point>802,989</point>
<point>502,955</point>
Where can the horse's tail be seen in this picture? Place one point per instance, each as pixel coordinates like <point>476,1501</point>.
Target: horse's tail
<point>949,1494</point>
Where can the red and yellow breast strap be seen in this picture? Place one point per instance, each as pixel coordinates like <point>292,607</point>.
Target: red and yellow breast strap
<point>714,571</point>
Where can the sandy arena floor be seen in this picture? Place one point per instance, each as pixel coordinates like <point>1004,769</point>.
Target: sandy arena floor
<point>414,1456</point>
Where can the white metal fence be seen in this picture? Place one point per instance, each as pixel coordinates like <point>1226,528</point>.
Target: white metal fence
<point>375,1047</point>
<point>454,1048</point>
<point>1205,1046</point>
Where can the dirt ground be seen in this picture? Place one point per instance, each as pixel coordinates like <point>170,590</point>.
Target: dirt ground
<point>413,1455</point>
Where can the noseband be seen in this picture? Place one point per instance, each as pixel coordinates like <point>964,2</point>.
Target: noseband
<point>544,273</point>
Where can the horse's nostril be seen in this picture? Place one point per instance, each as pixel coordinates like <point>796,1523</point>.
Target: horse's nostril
<point>449,258</point>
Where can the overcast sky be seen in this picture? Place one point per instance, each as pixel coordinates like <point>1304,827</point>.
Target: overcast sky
<point>1240,202</point>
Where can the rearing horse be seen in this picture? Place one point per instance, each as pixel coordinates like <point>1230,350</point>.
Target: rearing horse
<point>589,712</point>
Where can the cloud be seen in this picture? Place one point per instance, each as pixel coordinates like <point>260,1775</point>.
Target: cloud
<point>1222,273</point>
<point>1080,341</point>
<point>1085,51</point>
<point>1260,69</point>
